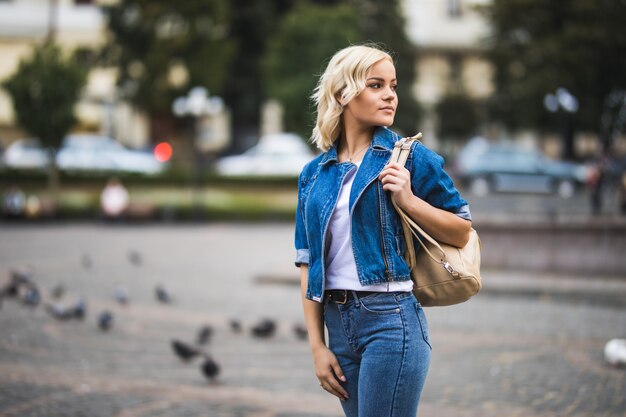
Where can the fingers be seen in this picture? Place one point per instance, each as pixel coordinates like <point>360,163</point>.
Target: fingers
<point>332,385</point>
<point>393,170</point>
<point>329,381</point>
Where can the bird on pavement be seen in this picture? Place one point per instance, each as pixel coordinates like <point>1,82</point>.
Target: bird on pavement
<point>121,294</point>
<point>235,325</point>
<point>105,320</point>
<point>162,295</point>
<point>31,297</point>
<point>210,369</point>
<point>204,335</point>
<point>184,351</point>
<point>615,352</point>
<point>300,331</point>
<point>264,329</point>
<point>79,309</point>
<point>57,291</point>
<point>59,311</point>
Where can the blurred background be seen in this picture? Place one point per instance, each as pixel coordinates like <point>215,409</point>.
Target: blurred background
<point>149,151</point>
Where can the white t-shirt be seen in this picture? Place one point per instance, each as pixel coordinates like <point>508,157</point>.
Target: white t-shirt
<point>341,273</point>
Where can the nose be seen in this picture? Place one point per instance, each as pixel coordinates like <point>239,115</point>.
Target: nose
<point>389,94</point>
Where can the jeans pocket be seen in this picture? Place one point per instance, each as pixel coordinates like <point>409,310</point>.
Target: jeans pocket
<point>423,324</point>
<point>382,303</point>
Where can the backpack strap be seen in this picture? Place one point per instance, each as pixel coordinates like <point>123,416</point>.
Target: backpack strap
<point>400,154</point>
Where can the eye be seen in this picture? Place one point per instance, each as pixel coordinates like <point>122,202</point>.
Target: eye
<point>394,87</point>
<point>374,85</point>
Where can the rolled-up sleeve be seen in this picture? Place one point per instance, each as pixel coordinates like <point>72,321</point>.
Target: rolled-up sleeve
<point>301,241</point>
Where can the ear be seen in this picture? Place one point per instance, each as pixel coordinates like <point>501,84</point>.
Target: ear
<point>339,99</point>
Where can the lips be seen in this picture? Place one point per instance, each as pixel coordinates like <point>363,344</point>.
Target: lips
<point>388,109</point>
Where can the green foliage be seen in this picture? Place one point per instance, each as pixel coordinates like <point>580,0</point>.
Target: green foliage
<point>537,47</point>
<point>251,24</point>
<point>296,54</point>
<point>457,117</point>
<point>44,89</point>
<point>384,23</point>
<point>152,38</point>
<point>310,34</point>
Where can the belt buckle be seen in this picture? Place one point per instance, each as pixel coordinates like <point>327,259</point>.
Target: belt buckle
<point>345,297</point>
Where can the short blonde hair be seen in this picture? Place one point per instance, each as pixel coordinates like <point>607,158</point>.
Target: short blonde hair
<point>345,77</point>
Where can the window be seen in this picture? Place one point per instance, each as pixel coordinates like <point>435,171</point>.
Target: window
<point>454,9</point>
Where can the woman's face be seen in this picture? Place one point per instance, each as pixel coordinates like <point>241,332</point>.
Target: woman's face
<point>376,105</point>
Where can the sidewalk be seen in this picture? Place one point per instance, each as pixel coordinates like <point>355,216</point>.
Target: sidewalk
<point>591,289</point>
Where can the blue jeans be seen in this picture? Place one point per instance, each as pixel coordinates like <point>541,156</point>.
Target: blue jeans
<point>383,346</point>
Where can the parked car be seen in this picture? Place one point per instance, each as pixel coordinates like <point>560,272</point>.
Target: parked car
<point>83,152</point>
<point>281,154</point>
<point>488,168</point>
<point>25,154</point>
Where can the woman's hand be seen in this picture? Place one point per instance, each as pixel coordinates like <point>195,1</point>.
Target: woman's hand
<point>329,372</point>
<point>397,179</point>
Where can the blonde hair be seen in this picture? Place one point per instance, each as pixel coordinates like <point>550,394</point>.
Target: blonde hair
<point>345,77</point>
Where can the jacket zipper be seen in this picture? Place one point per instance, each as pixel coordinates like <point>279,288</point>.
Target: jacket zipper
<point>382,236</point>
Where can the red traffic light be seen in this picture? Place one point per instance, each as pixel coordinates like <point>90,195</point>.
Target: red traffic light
<point>163,152</point>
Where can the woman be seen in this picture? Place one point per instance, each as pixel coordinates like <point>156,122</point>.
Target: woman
<point>350,244</point>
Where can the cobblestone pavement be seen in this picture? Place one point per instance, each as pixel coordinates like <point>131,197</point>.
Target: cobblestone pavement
<point>526,346</point>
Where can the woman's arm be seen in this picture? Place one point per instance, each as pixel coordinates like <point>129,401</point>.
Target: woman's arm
<point>327,367</point>
<point>440,224</point>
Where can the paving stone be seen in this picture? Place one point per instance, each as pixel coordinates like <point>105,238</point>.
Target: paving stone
<point>531,347</point>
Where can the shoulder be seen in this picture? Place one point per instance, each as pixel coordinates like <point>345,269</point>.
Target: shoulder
<point>422,156</point>
<point>310,169</point>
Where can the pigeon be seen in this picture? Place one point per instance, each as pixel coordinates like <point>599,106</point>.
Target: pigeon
<point>57,291</point>
<point>264,329</point>
<point>17,279</point>
<point>184,351</point>
<point>210,368</point>
<point>11,289</point>
<point>134,257</point>
<point>86,261</point>
<point>121,295</point>
<point>80,309</point>
<point>105,320</point>
<point>59,311</point>
<point>235,326</point>
<point>162,295</point>
<point>204,335</point>
<point>615,352</point>
<point>32,296</point>
<point>300,331</point>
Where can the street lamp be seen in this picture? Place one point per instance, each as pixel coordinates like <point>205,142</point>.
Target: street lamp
<point>563,103</point>
<point>197,104</point>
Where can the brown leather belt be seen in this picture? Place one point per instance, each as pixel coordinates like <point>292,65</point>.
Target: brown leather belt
<point>342,296</point>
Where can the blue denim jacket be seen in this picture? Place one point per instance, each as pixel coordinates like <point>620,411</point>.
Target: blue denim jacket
<point>377,237</point>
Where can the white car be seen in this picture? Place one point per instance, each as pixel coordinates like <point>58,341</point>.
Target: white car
<point>83,153</point>
<point>100,153</point>
<point>280,154</point>
<point>25,154</point>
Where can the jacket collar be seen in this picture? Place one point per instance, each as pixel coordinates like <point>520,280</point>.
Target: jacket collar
<point>383,138</point>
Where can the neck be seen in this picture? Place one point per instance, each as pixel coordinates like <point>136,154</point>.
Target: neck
<point>354,138</point>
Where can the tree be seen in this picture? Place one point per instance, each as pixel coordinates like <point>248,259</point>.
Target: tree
<point>164,48</point>
<point>305,40</point>
<point>537,47</point>
<point>44,90</point>
<point>325,28</point>
<point>384,23</point>
<point>457,116</point>
<point>251,24</point>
